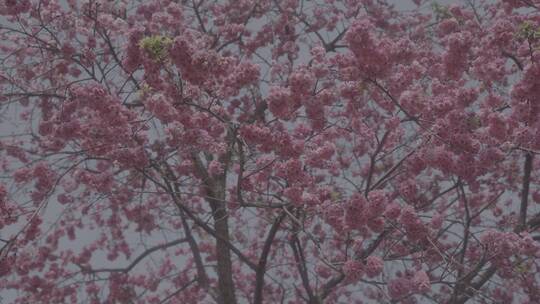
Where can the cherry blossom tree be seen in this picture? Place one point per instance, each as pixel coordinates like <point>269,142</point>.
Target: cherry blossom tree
<point>269,151</point>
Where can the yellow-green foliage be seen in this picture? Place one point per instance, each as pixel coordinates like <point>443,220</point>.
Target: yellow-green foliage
<point>156,46</point>
<point>529,31</point>
<point>335,196</point>
<point>441,11</point>
<point>145,90</point>
<point>474,122</point>
<point>522,266</point>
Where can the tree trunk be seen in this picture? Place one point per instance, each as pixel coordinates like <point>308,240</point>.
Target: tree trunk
<point>223,254</point>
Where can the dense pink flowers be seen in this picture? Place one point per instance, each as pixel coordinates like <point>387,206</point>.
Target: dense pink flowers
<point>280,102</point>
<point>261,151</point>
<point>399,288</point>
<point>421,281</point>
<point>374,266</point>
<point>353,270</point>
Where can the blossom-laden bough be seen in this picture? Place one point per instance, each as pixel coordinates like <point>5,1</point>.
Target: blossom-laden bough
<point>269,151</point>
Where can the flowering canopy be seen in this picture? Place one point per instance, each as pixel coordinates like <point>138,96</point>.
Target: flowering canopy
<point>276,151</point>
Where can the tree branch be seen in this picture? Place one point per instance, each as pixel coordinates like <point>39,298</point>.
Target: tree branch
<point>140,257</point>
<point>261,267</point>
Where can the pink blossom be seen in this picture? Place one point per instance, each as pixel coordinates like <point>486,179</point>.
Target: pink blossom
<point>353,270</point>
<point>279,101</point>
<point>421,281</point>
<point>374,266</point>
<point>269,151</point>
<point>399,287</point>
